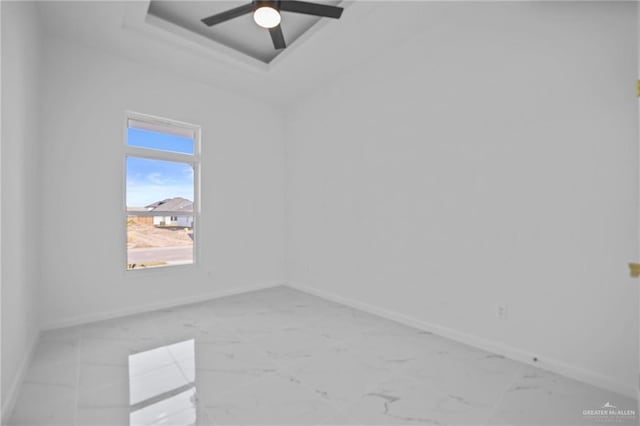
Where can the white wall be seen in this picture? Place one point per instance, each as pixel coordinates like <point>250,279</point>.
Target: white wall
<point>491,159</point>
<point>85,96</point>
<point>20,97</point>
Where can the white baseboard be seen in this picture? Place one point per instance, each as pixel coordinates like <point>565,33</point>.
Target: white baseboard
<point>553,365</point>
<point>101,316</point>
<point>12,393</point>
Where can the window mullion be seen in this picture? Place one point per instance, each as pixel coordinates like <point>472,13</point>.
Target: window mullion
<point>161,155</point>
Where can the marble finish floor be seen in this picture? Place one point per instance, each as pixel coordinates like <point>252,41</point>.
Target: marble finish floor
<point>283,357</point>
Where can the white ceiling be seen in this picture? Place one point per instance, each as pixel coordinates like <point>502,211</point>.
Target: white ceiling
<point>241,34</point>
<point>321,54</point>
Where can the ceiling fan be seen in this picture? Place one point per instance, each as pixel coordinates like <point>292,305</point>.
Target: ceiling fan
<point>267,15</point>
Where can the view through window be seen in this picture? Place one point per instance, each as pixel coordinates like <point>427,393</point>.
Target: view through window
<point>162,164</point>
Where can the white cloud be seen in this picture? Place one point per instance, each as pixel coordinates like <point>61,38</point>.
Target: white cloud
<point>139,195</point>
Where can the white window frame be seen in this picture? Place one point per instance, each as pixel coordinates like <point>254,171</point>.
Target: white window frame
<point>163,125</point>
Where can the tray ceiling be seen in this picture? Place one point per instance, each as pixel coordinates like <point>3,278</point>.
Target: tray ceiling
<point>241,34</point>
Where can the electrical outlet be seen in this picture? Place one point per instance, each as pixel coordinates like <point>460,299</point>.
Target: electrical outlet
<point>502,312</point>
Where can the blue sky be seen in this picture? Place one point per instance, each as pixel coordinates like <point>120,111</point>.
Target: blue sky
<point>149,180</point>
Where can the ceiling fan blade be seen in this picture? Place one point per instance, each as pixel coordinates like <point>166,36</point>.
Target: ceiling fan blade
<point>227,15</point>
<point>277,37</point>
<point>311,8</point>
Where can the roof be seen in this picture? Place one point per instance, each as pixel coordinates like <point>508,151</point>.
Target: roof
<point>176,204</point>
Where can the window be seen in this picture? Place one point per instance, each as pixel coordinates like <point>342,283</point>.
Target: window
<point>162,167</point>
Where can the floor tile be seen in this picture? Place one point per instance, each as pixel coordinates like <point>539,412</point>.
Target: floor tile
<point>274,400</point>
<point>281,356</point>
<point>40,404</point>
<point>539,397</point>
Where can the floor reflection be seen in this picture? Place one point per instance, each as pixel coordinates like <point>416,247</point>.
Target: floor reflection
<point>162,385</point>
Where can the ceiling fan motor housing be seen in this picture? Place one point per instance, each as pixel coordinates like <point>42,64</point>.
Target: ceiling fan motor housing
<point>266,3</point>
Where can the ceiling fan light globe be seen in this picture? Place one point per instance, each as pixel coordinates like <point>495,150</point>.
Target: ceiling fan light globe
<point>266,17</point>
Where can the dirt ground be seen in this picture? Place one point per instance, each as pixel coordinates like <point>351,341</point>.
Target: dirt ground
<point>142,235</point>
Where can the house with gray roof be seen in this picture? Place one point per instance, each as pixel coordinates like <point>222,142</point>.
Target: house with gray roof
<point>173,207</point>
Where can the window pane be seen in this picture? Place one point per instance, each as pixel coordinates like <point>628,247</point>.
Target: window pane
<point>165,189</point>
<point>151,184</point>
<point>154,241</point>
<point>161,141</point>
